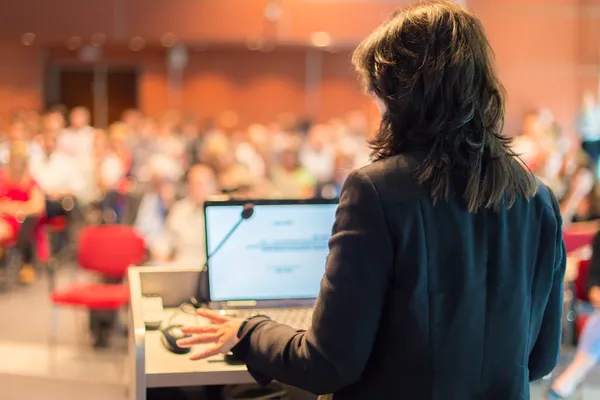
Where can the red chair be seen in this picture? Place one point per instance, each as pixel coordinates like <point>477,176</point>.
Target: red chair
<point>581,293</point>
<point>108,250</point>
<point>56,224</point>
<point>577,240</point>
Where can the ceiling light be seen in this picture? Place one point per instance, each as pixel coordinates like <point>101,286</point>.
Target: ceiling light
<point>74,43</point>
<point>168,40</point>
<point>137,43</point>
<point>98,39</point>
<point>321,39</point>
<point>273,11</point>
<point>28,38</point>
<point>254,43</point>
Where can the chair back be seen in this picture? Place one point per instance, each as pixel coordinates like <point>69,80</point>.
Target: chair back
<point>110,249</point>
<point>574,241</point>
<point>581,286</point>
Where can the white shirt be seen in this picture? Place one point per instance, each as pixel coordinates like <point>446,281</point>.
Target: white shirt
<point>77,143</point>
<point>319,163</point>
<point>150,220</point>
<point>57,173</point>
<point>247,155</point>
<point>185,233</point>
<point>35,152</point>
<point>111,171</point>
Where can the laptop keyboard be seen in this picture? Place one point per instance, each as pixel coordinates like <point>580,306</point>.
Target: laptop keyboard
<point>299,318</point>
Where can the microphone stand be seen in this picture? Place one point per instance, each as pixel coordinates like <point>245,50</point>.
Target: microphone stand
<point>246,213</point>
<point>222,242</point>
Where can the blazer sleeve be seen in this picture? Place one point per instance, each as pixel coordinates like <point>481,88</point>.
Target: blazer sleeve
<point>334,351</point>
<point>546,350</point>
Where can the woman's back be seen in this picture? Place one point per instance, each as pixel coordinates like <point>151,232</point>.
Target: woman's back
<point>468,294</point>
<point>444,276</point>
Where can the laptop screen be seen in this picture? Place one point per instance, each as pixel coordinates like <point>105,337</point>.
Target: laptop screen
<point>277,254</point>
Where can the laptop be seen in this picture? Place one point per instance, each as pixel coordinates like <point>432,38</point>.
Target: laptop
<point>273,263</point>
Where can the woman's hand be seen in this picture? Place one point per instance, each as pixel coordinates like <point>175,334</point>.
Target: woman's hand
<point>221,335</point>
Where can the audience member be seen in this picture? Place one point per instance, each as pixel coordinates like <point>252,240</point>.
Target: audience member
<point>106,170</point>
<point>344,163</point>
<point>17,132</point>
<point>20,197</point>
<point>290,178</point>
<point>317,155</point>
<point>152,212</point>
<point>219,154</point>
<point>589,127</point>
<point>588,348</point>
<point>184,234</point>
<point>57,173</point>
<point>78,139</point>
<point>144,147</point>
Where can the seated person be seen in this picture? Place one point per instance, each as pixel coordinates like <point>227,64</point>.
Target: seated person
<point>18,132</point>
<point>343,165</point>
<point>152,211</point>
<point>184,233</point>
<point>588,349</point>
<point>291,180</point>
<point>59,176</point>
<point>78,139</point>
<point>580,199</point>
<point>20,197</point>
<point>107,170</point>
<point>317,156</point>
<point>219,154</point>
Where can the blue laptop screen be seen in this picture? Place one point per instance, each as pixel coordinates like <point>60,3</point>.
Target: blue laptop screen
<point>279,253</point>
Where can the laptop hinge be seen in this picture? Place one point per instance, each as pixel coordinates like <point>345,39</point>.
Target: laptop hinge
<point>240,304</point>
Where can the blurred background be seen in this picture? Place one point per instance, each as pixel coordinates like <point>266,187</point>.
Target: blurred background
<point>128,111</point>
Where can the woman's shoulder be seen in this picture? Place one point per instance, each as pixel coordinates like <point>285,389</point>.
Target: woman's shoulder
<point>397,171</point>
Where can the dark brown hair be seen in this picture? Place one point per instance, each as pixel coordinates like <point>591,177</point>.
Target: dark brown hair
<point>431,65</point>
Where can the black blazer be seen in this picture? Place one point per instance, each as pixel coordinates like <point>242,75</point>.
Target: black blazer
<point>424,302</point>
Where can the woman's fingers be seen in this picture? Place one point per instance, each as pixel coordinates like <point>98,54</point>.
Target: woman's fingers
<point>214,316</point>
<point>195,330</point>
<point>208,352</point>
<point>199,339</point>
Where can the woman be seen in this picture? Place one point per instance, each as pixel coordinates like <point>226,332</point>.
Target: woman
<point>444,277</point>
<point>588,349</point>
<point>20,197</point>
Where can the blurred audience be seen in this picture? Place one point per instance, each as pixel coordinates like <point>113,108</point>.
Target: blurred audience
<point>156,174</point>
<point>20,197</point>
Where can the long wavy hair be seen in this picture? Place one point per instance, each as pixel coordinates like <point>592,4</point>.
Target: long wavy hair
<point>431,66</point>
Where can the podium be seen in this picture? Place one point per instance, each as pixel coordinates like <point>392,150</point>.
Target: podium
<point>151,365</point>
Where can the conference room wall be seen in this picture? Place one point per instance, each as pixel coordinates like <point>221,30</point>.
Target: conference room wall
<point>547,54</point>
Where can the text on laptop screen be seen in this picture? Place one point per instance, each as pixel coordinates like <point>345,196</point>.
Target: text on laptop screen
<point>279,253</point>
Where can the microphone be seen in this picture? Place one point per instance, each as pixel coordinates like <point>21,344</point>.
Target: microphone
<point>247,213</point>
